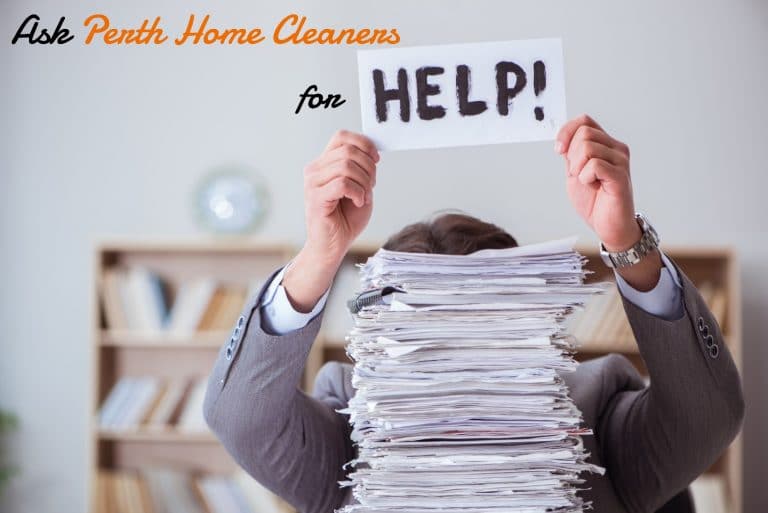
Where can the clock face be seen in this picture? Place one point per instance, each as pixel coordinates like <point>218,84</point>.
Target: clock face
<point>231,201</point>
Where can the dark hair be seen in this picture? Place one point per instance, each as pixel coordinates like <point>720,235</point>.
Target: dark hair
<point>450,234</point>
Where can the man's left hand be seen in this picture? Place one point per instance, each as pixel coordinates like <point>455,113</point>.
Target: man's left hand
<point>600,189</point>
<point>598,181</point>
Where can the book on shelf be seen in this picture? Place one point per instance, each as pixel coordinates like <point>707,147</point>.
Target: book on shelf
<point>128,402</point>
<point>146,299</point>
<point>134,298</point>
<point>223,309</point>
<point>191,418</point>
<point>137,299</point>
<point>221,494</point>
<point>154,404</point>
<point>191,302</point>
<point>122,492</point>
<point>167,406</point>
<point>112,300</point>
<point>170,490</point>
<point>259,499</point>
<point>716,299</point>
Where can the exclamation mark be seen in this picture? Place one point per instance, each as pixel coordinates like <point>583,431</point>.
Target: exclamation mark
<point>539,84</point>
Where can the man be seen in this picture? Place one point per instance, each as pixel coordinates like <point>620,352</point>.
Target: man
<point>653,441</point>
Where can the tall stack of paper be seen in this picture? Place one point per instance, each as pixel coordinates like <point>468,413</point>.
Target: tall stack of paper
<point>459,406</point>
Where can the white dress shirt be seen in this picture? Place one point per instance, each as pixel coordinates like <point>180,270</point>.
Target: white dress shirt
<point>665,300</point>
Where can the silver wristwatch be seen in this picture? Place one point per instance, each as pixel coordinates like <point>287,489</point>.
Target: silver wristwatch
<point>647,243</point>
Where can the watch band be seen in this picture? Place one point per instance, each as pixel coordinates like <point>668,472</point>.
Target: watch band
<point>648,242</point>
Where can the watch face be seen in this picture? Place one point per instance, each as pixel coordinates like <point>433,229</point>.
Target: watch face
<point>231,201</point>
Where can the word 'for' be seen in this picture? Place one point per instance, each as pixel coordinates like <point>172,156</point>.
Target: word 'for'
<point>316,100</point>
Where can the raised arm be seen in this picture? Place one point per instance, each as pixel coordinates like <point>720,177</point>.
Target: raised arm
<point>292,443</point>
<point>656,440</point>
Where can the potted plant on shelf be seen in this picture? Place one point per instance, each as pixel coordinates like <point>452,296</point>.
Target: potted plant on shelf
<point>8,423</point>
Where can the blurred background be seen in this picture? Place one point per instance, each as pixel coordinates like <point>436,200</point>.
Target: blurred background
<point>105,153</point>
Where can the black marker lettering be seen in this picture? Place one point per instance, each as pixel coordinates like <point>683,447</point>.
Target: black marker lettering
<point>384,95</point>
<point>463,86</point>
<point>424,89</point>
<point>539,84</point>
<point>505,93</point>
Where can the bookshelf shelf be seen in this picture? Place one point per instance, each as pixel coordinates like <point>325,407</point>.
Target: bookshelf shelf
<point>600,347</point>
<point>169,436</point>
<point>625,347</point>
<point>335,343</point>
<point>167,357</point>
<point>199,340</point>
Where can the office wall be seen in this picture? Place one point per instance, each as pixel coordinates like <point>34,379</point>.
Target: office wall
<point>101,142</point>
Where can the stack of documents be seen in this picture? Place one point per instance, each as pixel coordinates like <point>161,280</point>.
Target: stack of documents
<point>459,406</point>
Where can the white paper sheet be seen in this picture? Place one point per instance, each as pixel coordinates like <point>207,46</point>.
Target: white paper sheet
<point>415,97</point>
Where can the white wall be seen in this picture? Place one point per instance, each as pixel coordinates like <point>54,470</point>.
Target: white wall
<point>102,141</point>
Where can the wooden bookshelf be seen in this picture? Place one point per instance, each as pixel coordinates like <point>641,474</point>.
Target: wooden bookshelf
<point>126,352</point>
<point>122,353</point>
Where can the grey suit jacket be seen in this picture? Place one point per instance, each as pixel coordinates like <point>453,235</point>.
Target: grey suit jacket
<point>653,441</point>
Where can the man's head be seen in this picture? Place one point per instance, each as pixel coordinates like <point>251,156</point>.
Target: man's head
<point>450,234</point>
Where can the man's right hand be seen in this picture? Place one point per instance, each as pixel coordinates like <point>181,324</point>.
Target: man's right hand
<point>338,201</point>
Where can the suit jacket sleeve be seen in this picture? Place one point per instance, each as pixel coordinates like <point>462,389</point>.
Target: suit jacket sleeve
<point>655,441</point>
<point>291,443</point>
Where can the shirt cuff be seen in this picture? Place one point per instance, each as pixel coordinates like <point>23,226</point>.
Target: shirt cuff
<point>665,300</point>
<point>278,316</point>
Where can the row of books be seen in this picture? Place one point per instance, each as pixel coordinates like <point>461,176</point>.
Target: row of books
<point>154,404</point>
<point>137,299</point>
<point>157,490</point>
<point>160,490</point>
<point>604,322</point>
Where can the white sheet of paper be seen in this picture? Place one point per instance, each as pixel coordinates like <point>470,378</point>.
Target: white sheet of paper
<point>448,126</point>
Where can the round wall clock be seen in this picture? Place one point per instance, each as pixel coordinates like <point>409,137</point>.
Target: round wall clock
<point>231,201</point>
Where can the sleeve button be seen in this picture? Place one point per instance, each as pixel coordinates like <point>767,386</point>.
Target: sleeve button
<point>229,353</point>
<point>705,331</point>
<point>700,323</point>
<point>710,341</point>
<point>714,351</point>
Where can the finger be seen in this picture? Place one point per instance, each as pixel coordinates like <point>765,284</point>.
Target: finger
<point>581,152</point>
<point>340,188</point>
<point>359,140</point>
<point>342,153</point>
<point>603,173</point>
<point>343,168</point>
<point>588,133</point>
<point>567,131</point>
